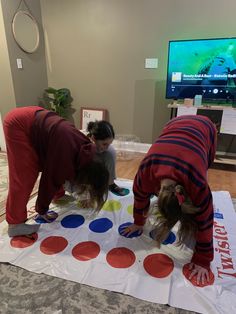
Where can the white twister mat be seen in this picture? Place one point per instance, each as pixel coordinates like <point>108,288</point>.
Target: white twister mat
<point>89,249</point>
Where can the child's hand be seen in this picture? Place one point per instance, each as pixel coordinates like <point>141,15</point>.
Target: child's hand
<point>64,200</point>
<point>202,273</point>
<point>127,231</point>
<point>85,203</point>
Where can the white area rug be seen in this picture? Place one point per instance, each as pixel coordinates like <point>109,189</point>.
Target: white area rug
<point>90,250</point>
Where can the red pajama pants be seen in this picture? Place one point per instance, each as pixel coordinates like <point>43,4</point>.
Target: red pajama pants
<point>22,162</point>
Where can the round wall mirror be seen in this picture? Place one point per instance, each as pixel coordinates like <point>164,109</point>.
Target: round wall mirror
<point>25,31</point>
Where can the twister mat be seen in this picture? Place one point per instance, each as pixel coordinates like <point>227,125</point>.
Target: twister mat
<point>89,249</point>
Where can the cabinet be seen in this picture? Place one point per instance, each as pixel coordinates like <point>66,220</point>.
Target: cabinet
<point>225,120</point>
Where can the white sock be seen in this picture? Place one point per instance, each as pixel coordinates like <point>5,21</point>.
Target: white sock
<point>22,229</point>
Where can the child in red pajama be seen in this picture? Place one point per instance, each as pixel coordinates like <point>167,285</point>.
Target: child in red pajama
<point>38,140</point>
<point>175,169</point>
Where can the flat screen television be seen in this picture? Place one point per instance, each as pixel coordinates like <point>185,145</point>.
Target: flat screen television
<point>204,67</point>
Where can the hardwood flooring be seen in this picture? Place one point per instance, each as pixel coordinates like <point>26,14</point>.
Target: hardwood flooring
<point>221,177</point>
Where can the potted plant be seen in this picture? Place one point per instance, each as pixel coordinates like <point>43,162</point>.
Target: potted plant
<point>57,100</point>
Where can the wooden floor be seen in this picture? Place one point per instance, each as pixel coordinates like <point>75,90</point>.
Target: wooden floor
<point>221,177</point>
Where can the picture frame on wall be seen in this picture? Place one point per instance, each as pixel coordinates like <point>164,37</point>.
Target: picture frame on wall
<point>91,114</point>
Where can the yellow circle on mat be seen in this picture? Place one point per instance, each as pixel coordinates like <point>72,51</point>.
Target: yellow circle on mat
<point>130,209</point>
<point>61,202</point>
<point>112,205</point>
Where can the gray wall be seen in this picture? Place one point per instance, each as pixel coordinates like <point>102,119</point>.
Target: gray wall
<point>97,49</point>
<point>106,43</point>
<point>30,81</point>
<point>7,95</point>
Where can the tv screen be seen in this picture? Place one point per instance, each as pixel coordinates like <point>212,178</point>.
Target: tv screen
<point>204,67</point>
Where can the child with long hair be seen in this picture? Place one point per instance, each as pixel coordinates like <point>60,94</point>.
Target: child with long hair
<point>174,205</point>
<point>38,140</point>
<point>175,169</point>
<point>102,135</point>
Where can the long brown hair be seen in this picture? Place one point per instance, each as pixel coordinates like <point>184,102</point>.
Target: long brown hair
<point>94,179</point>
<point>174,205</point>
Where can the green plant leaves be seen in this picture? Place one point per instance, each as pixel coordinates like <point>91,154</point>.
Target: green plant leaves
<point>57,100</point>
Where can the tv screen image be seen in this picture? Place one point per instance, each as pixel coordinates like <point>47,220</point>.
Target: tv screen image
<point>204,67</point>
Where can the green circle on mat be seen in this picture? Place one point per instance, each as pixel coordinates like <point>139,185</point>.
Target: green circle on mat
<point>130,209</point>
<point>112,205</point>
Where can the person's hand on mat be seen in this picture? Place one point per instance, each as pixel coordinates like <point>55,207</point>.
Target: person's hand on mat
<point>48,217</point>
<point>64,200</point>
<point>85,203</point>
<point>200,272</point>
<point>131,229</point>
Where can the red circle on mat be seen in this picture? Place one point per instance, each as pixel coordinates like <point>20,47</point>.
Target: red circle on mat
<point>158,265</point>
<point>187,273</point>
<point>22,242</point>
<point>53,245</point>
<point>85,251</point>
<point>120,257</point>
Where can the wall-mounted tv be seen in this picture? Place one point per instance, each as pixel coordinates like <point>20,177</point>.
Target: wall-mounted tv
<point>204,67</point>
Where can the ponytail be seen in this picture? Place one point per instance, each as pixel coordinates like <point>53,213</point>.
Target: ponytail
<point>184,201</point>
<point>100,130</point>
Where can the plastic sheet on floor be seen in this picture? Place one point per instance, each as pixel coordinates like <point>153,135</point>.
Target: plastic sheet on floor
<point>89,249</point>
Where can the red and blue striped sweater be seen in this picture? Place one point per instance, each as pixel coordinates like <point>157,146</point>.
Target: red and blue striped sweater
<point>183,152</point>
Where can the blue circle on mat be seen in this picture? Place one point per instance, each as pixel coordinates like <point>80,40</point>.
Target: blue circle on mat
<point>72,221</point>
<point>40,220</point>
<point>132,235</point>
<point>169,240</point>
<point>101,225</point>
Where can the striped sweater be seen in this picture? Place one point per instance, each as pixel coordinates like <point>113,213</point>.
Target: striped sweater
<point>183,152</point>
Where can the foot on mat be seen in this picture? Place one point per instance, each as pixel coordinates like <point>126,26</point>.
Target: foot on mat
<point>22,229</point>
<point>115,189</point>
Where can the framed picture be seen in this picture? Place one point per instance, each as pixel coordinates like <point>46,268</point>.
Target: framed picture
<point>90,114</point>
